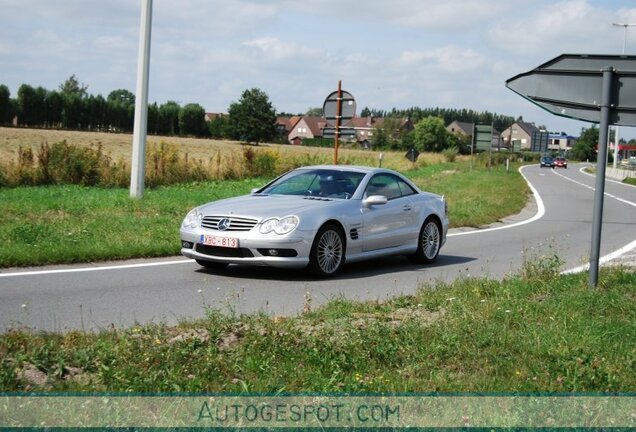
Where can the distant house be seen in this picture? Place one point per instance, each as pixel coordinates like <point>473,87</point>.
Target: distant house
<point>461,128</point>
<point>306,127</point>
<point>561,142</point>
<point>213,116</point>
<point>520,136</point>
<point>364,128</point>
<point>284,125</point>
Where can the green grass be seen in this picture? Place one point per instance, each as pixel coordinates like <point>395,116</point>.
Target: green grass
<point>63,224</point>
<point>69,223</point>
<point>476,196</point>
<point>537,331</point>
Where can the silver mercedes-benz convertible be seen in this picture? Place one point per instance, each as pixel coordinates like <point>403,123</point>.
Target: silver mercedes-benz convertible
<point>319,217</point>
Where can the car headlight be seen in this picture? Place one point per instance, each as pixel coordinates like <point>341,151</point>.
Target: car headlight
<point>192,219</point>
<point>279,226</point>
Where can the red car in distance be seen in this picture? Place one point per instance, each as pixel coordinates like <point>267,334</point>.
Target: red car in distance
<point>560,162</point>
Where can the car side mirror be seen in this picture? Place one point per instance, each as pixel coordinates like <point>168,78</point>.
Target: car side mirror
<point>374,200</point>
<point>253,191</point>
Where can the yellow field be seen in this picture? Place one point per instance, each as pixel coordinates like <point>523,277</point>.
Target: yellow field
<point>119,146</point>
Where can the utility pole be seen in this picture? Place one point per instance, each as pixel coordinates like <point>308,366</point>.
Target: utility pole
<point>140,131</point>
<point>617,130</point>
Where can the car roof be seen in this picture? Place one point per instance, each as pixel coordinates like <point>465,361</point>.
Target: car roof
<point>358,168</point>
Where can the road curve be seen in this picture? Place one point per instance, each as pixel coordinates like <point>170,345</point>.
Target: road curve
<point>100,296</point>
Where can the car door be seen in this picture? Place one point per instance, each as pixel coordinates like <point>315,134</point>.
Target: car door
<point>390,224</point>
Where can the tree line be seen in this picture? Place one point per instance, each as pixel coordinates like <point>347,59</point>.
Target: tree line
<point>72,107</point>
<point>448,115</point>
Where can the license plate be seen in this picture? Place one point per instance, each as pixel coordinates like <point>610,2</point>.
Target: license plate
<point>211,240</point>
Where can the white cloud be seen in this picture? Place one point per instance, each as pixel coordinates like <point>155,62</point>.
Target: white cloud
<point>447,59</point>
<point>274,49</point>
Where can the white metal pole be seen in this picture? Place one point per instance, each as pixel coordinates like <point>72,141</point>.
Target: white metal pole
<point>138,165</point>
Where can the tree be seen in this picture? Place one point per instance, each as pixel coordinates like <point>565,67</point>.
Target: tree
<point>54,108</point>
<point>5,104</point>
<point>430,134</point>
<point>73,86</point>
<point>192,120</point>
<point>585,147</point>
<point>218,127</point>
<point>26,104</point>
<point>121,109</point>
<point>314,112</point>
<point>168,123</point>
<point>252,118</point>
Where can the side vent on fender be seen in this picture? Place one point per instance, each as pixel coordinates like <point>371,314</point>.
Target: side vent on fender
<point>354,234</point>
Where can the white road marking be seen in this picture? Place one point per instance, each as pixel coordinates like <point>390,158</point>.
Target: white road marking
<point>593,188</point>
<point>91,269</point>
<point>617,253</point>
<point>537,216</point>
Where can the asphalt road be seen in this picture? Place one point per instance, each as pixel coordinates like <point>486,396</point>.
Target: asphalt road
<point>103,295</point>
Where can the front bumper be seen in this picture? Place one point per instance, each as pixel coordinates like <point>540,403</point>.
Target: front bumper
<point>289,251</point>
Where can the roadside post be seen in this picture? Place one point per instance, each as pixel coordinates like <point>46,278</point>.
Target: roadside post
<point>338,109</point>
<point>594,88</point>
<point>140,128</point>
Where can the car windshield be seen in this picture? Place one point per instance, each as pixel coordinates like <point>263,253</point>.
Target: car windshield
<point>316,182</point>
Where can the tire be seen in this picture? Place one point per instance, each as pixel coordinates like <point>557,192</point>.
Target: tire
<point>327,252</point>
<point>212,265</point>
<point>428,243</point>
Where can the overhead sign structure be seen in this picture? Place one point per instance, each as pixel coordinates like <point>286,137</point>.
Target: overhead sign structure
<point>594,88</point>
<point>570,85</point>
<point>540,140</point>
<point>482,137</point>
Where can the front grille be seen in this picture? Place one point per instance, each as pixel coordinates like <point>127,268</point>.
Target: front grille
<point>236,223</point>
<point>224,252</point>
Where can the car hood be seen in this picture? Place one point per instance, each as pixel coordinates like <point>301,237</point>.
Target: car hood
<point>263,206</point>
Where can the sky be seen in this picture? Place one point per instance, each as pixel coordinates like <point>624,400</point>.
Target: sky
<point>388,54</point>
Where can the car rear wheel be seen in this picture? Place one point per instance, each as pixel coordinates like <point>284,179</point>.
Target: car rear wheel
<point>212,265</point>
<point>429,242</point>
<point>327,252</point>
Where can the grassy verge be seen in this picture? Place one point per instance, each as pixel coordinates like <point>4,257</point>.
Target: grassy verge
<point>67,223</point>
<point>62,224</point>
<point>537,331</point>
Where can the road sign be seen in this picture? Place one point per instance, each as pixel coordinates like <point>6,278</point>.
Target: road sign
<point>539,143</point>
<point>595,88</point>
<point>345,132</point>
<point>570,85</point>
<point>412,154</point>
<point>482,137</point>
<point>330,108</point>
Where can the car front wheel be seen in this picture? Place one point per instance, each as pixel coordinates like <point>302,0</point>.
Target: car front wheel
<point>429,243</point>
<point>327,252</point>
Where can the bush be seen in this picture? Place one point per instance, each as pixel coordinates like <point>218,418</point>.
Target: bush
<point>450,154</point>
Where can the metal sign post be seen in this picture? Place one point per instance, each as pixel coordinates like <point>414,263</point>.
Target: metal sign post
<point>338,109</point>
<point>595,88</point>
<point>336,139</point>
<point>603,132</point>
